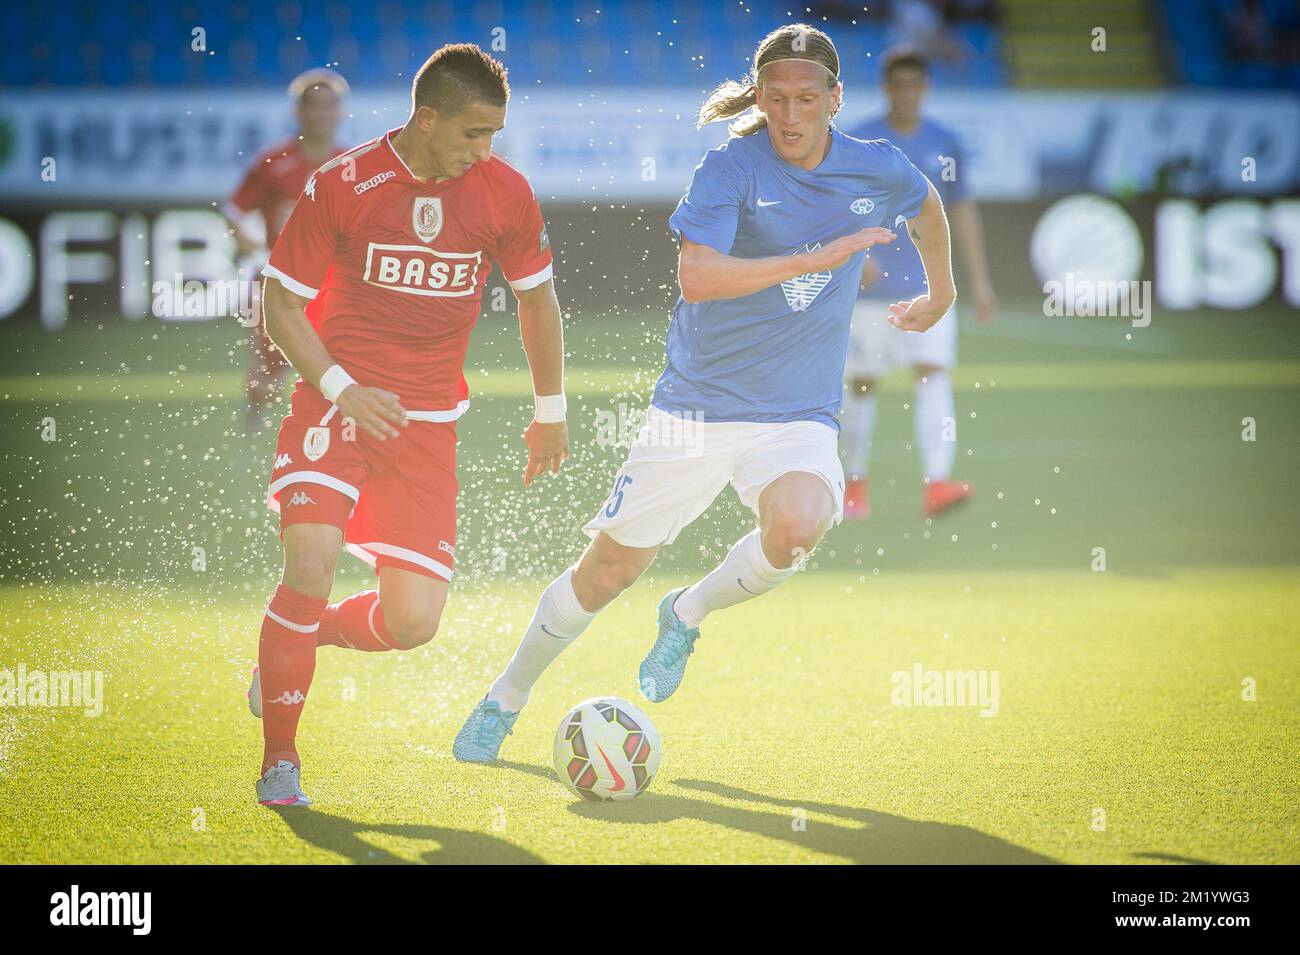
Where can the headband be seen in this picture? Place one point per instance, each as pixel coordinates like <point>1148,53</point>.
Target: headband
<point>803,59</point>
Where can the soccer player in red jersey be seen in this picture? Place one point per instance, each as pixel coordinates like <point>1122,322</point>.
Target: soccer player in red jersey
<point>371,293</point>
<point>261,205</point>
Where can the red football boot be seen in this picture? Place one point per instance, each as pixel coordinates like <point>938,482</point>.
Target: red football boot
<point>941,495</point>
<point>857,500</point>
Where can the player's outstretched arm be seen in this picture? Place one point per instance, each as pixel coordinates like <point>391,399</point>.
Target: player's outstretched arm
<point>929,231</point>
<point>705,274</point>
<point>542,332</point>
<point>376,411</point>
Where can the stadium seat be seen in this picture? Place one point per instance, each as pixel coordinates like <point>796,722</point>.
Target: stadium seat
<point>265,43</point>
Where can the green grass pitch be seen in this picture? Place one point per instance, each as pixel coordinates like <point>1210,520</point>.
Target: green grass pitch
<point>1147,712</point>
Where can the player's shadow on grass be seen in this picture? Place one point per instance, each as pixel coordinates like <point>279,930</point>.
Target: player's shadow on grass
<point>877,838</point>
<point>455,846</point>
<point>1167,857</point>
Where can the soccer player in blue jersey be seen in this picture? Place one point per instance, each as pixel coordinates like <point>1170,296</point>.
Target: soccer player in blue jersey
<point>895,273</point>
<point>773,232</point>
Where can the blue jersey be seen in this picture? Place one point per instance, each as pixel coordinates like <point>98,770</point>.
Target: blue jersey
<point>778,354</point>
<point>936,151</point>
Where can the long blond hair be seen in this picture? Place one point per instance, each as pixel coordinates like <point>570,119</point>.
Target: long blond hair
<point>795,41</point>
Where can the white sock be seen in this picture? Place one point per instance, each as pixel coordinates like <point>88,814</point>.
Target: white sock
<point>556,623</point>
<point>856,431</point>
<point>936,419</point>
<point>743,574</point>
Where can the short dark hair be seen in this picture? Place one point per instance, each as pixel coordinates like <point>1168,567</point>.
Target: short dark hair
<point>456,76</point>
<point>905,57</point>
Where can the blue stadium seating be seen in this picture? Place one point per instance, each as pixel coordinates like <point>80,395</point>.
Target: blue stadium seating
<point>665,42</point>
<point>1201,49</point>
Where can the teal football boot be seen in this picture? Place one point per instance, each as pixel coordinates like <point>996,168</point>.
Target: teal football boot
<point>480,739</point>
<point>663,667</point>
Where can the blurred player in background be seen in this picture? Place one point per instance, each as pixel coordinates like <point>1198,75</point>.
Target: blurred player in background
<point>372,291</point>
<point>773,229</point>
<point>261,205</point>
<point>895,274</point>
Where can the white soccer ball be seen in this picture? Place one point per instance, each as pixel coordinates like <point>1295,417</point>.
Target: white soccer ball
<point>606,748</point>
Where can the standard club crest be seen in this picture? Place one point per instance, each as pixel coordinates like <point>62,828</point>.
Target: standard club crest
<point>316,443</point>
<point>426,218</point>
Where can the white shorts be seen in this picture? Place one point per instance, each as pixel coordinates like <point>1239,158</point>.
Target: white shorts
<point>877,347</point>
<point>678,466</point>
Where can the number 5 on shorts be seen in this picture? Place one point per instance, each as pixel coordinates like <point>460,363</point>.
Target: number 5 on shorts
<point>616,499</point>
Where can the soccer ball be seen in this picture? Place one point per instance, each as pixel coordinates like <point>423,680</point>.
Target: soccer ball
<point>606,748</point>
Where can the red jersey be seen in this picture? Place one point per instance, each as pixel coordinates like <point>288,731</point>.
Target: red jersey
<point>273,184</point>
<point>395,267</point>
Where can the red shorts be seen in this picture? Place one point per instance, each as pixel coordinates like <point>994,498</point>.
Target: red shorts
<point>394,500</point>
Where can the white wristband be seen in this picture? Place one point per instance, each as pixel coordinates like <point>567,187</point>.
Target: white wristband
<point>334,381</point>
<point>548,409</point>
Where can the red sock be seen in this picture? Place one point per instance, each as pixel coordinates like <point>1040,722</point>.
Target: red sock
<point>286,658</point>
<point>356,623</point>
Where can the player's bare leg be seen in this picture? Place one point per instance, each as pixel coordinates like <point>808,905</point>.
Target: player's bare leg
<point>403,613</point>
<point>794,511</point>
<point>606,569</point>
<point>287,655</point>
<point>857,430</point>
<point>936,439</point>
<point>310,550</point>
<point>411,604</point>
<point>566,607</point>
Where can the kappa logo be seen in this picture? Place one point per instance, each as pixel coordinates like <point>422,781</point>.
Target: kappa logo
<point>446,548</point>
<point>373,181</point>
<point>426,217</point>
<point>310,189</point>
<point>282,461</point>
<point>316,443</point>
<point>862,206</point>
<point>802,289</point>
<point>288,699</point>
<point>299,497</point>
